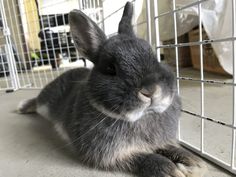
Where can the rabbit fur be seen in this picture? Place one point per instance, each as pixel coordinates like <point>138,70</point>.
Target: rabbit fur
<point>122,114</point>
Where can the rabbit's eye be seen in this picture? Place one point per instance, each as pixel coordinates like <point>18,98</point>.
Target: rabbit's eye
<point>110,69</point>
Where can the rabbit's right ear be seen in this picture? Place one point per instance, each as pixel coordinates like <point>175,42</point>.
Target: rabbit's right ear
<point>86,34</point>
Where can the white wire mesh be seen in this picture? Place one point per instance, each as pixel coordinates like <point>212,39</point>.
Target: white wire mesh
<point>5,80</point>
<point>41,42</point>
<point>208,126</point>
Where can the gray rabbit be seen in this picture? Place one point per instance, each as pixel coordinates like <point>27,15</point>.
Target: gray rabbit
<point>123,114</point>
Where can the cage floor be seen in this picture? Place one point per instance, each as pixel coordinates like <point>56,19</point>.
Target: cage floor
<point>30,147</point>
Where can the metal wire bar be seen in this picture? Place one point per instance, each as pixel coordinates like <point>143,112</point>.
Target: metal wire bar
<point>20,45</point>
<point>102,23</point>
<point>140,23</point>
<point>33,46</point>
<point>67,43</point>
<point>53,4</point>
<point>53,49</point>
<point>8,49</point>
<point>180,8</point>
<point>44,37</point>
<point>14,39</point>
<point>28,48</point>
<point>187,44</point>
<point>234,81</point>
<point>202,76</point>
<point>108,16</point>
<point>209,119</point>
<point>59,39</point>
<point>206,81</point>
<point>40,54</point>
<point>44,49</point>
<point>157,33</point>
<point>176,59</point>
<point>4,72</point>
<point>176,42</point>
<point>148,19</point>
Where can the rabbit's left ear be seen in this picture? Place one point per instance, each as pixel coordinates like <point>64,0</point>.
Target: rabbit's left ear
<point>125,25</point>
<point>88,37</point>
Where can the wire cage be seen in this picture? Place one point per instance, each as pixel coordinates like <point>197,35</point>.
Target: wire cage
<point>36,46</point>
<point>209,127</point>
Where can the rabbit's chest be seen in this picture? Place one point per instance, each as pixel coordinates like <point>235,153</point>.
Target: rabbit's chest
<point>122,148</point>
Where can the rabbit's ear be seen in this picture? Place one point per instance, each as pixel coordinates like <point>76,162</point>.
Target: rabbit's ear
<point>125,25</point>
<point>87,36</point>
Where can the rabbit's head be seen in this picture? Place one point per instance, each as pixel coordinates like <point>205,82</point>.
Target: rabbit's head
<point>127,81</point>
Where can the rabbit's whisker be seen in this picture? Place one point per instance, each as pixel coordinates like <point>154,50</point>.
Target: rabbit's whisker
<point>70,143</point>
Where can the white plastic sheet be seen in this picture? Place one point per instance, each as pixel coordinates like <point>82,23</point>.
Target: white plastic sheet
<point>216,19</point>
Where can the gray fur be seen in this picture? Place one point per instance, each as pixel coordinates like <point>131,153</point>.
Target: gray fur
<point>92,105</point>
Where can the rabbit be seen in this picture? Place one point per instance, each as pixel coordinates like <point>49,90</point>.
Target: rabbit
<point>123,113</point>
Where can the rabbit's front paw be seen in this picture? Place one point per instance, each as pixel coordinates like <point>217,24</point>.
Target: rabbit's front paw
<point>196,168</point>
<point>189,164</point>
<point>158,166</point>
<point>167,170</point>
<point>173,173</point>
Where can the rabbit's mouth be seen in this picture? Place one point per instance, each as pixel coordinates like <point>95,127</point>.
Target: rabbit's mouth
<point>158,101</point>
<point>160,105</point>
<point>150,105</point>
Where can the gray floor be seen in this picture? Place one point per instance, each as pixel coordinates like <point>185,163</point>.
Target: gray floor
<point>30,147</point>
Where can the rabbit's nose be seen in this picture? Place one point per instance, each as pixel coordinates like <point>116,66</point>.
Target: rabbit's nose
<point>150,91</point>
